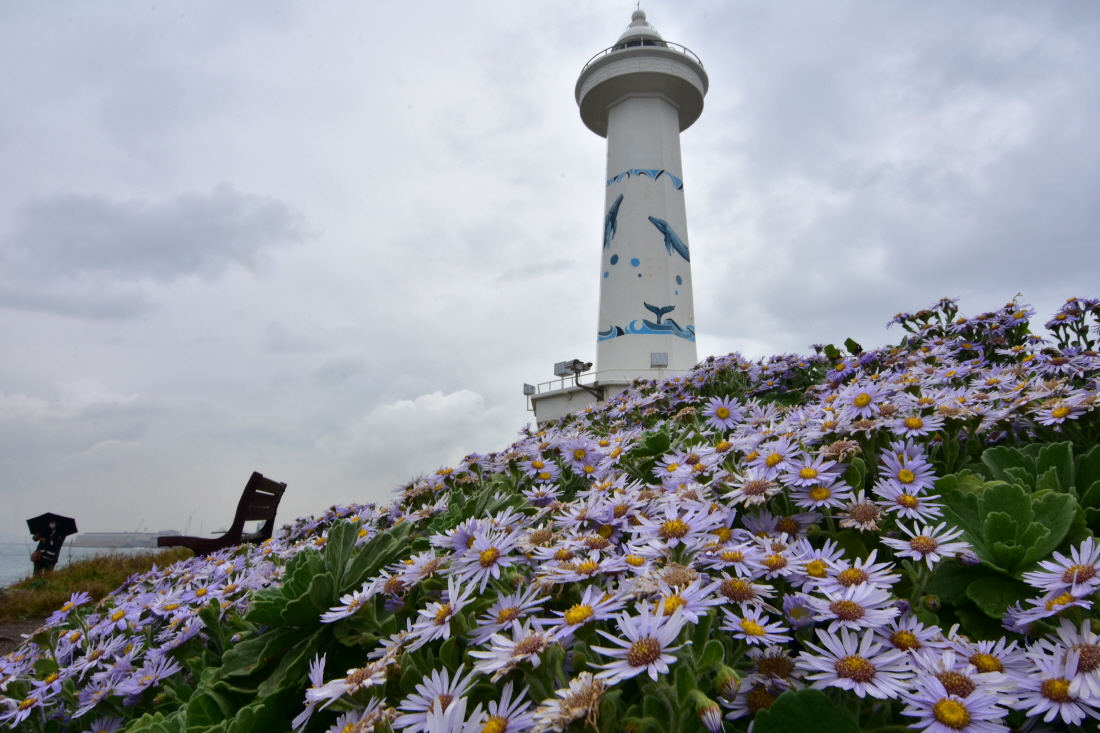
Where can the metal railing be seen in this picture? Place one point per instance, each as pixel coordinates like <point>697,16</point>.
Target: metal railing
<point>645,44</point>
<point>591,378</point>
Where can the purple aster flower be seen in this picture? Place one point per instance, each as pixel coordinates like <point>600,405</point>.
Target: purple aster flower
<point>723,413</point>
<point>647,647</point>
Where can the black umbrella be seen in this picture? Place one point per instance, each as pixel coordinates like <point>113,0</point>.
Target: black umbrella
<point>40,525</point>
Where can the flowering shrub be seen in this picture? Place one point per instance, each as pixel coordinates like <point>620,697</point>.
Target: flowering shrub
<point>854,540</point>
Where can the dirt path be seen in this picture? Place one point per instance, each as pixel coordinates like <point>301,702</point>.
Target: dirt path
<point>11,633</point>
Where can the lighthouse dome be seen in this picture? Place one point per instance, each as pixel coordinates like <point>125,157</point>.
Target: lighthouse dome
<point>639,33</point>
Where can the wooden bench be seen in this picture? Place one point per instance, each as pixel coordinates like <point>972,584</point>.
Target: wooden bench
<point>259,502</point>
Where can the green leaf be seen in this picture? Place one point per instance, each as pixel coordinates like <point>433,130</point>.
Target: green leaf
<point>375,554</point>
<point>208,708</point>
<point>952,579</point>
<point>713,655</point>
<point>994,595</point>
<point>855,473</point>
<point>685,682</point>
<point>338,548</point>
<point>1000,457</point>
<point>999,527</point>
<point>267,607</point>
<point>852,544</point>
<point>977,625</point>
<point>1050,481</point>
<point>1056,512</point>
<point>255,654</point>
<point>1087,469</point>
<point>1021,477</point>
<point>805,710</point>
<point>307,609</point>
<point>1007,499</point>
<point>1090,497</point>
<point>1058,456</point>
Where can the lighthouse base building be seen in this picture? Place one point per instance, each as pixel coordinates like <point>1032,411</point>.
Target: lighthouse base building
<point>639,94</point>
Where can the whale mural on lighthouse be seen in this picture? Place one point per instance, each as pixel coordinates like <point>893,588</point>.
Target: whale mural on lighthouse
<point>672,241</point>
<point>611,222</point>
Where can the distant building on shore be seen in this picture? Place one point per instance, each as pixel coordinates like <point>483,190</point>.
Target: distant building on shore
<point>121,540</point>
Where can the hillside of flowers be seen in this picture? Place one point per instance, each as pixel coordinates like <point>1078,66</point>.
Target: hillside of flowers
<point>854,540</point>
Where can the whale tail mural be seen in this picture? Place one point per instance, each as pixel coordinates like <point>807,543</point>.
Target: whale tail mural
<point>611,222</point>
<point>659,311</point>
<point>672,240</point>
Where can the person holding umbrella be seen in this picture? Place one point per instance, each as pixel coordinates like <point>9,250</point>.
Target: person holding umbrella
<point>50,531</point>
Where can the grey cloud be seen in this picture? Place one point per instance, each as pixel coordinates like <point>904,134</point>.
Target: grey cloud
<point>96,257</point>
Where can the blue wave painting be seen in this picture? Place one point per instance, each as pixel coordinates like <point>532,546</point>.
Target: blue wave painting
<point>672,241</point>
<point>644,327</point>
<point>611,222</point>
<point>653,173</point>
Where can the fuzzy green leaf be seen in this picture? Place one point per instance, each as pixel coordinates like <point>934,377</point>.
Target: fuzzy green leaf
<point>1007,499</point>
<point>338,548</point>
<point>1058,456</point>
<point>805,710</point>
<point>307,609</point>
<point>1056,512</point>
<point>1000,457</point>
<point>994,595</point>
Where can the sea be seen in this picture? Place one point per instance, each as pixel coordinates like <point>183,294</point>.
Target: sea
<point>15,558</point>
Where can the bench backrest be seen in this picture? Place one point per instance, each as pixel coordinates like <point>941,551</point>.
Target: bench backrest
<point>259,502</point>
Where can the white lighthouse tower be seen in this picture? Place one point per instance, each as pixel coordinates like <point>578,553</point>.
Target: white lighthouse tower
<point>639,94</point>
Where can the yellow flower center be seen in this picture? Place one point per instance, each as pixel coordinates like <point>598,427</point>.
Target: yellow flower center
<point>808,473</point>
<point>722,413</point>
<point>773,460</point>
<point>733,556</point>
<point>495,724</point>
<point>820,493</point>
<point>1061,600</point>
<point>986,663</point>
<point>723,534</point>
<point>951,713</point>
<point>442,614</point>
<point>1056,689</point>
<point>643,652</point>
<point>579,454</point>
<point>672,603</point>
<point>118,615</point>
<point>634,561</point>
<point>908,501</point>
<point>905,640</point>
<point>488,558</point>
<point>855,667</point>
<point>1059,412</point>
<point>816,568</point>
<point>674,529</point>
<point>537,464</point>
<point>913,423</point>
<point>906,476</point>
<point>751,628</point>
<point>588,567</point>
<point>862,400</point>
<point>578,614</point>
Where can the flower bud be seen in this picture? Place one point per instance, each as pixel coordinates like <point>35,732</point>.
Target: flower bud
<point>967,558</point>
<point>932,603</point>
<point>729,682</point>
<point>711,717</point>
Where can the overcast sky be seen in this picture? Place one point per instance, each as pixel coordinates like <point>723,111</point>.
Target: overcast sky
<point>329,241</point>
